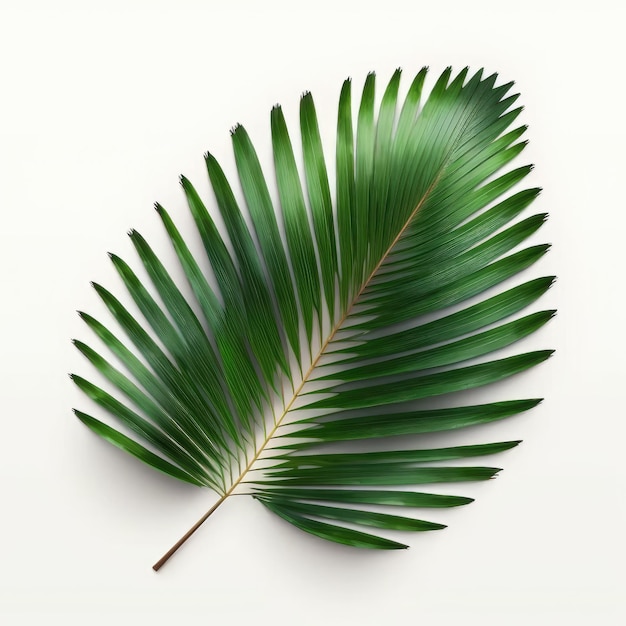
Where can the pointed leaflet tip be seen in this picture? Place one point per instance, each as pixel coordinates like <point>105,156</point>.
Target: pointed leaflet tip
<point>528,403</point>
<point>210,161</point>
<point>507,87</point>
<point>136,236</point>
<point>100,290</point>
<point>492,77</point>
<point>84,316</point>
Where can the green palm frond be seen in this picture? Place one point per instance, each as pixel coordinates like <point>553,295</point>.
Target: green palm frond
<point>329,320</point>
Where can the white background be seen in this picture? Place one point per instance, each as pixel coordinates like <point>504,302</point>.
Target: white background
<point>101,107</point>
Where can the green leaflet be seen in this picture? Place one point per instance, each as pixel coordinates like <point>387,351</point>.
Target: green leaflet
<point>328,531</point>
<point>355,516</point>
<point>263,217</point>
<point>132,447</point>
<point>367,496</point>
<point>393,456</point>
<point>319,199</point>
<point>416,388</point>
<point>451,353</point>
<point>297,229</point>
<point>409,421</point>
<point>426,214</point>
<point>377,474</point>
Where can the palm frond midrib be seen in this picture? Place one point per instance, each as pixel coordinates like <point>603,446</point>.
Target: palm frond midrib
<point>337,327</point>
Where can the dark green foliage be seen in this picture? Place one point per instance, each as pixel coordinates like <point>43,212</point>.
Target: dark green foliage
<point>385,277</point>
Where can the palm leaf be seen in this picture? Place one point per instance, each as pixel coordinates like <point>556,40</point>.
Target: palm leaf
<point>379,299</point>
